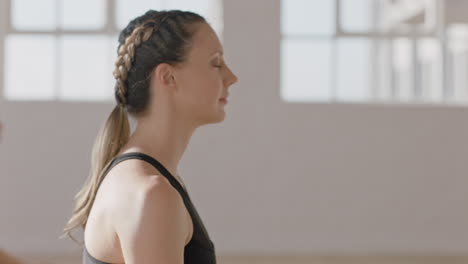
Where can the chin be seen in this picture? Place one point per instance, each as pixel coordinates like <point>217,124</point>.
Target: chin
<point>219,117</point>
<point>214,119</point>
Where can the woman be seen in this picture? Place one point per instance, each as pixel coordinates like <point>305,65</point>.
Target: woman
<point>134,208</point>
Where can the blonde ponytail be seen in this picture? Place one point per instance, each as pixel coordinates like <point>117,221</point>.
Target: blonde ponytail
<point>112,136</point>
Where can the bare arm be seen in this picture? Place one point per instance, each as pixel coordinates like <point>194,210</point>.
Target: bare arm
<point>153,227</point>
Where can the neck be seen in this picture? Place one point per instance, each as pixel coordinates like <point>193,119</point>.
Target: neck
<point>163,137</point>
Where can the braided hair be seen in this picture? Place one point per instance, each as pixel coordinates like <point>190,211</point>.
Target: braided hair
<point>148,40</point>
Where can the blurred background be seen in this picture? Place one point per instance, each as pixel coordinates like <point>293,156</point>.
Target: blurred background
<point>345,139</point>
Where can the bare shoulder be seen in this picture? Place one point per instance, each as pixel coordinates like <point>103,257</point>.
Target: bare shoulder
<point>146,193</point>
<point>133,202</point>
<point>152,225</point>
<point>129,181</point>
<point>136,190</point>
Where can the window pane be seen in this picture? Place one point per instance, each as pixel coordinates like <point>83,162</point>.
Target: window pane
<point>459,75</point>
<point>33,14</point>
<point>29,67</point>
<point>305,70</point>
<point>72,15</point>
<point>383,71</point>
<point>458,59</point>
<point>356,15</point>
<point>308,17</point>
<point>403,68</point>
<point>129,9</point>
<point>84,67</point>
<point>430,61</point>
<point>109,90</point>
<point>353,79</point>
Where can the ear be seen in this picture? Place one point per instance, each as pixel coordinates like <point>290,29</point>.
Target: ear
<point>164,74</point>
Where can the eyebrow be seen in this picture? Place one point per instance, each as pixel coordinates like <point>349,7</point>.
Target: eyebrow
<point>218,51</point>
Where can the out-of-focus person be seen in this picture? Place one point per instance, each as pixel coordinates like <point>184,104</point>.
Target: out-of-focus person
<point>6,258</point>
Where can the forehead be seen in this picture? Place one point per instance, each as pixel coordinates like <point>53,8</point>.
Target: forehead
<point>205,42</point>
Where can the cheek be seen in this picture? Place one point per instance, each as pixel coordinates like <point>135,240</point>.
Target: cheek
<point>201,90</point>
<point>206,85</point>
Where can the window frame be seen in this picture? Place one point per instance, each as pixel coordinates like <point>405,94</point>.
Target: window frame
<point>109,29</point>
<point>436,31</point>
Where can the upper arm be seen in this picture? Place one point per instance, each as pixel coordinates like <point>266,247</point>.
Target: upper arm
<point>153,227</point>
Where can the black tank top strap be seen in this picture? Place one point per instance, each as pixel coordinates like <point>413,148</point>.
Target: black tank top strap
<point>156,164</point>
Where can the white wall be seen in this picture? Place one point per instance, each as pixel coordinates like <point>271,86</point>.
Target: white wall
<point>274,177</point>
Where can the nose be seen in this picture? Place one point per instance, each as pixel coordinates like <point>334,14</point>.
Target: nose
<point>231,79</point>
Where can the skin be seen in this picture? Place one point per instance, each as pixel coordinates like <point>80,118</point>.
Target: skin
<point>138,216</point>
<point>6,258</point>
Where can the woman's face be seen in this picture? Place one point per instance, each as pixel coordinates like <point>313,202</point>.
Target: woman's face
<point>203,79</point>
